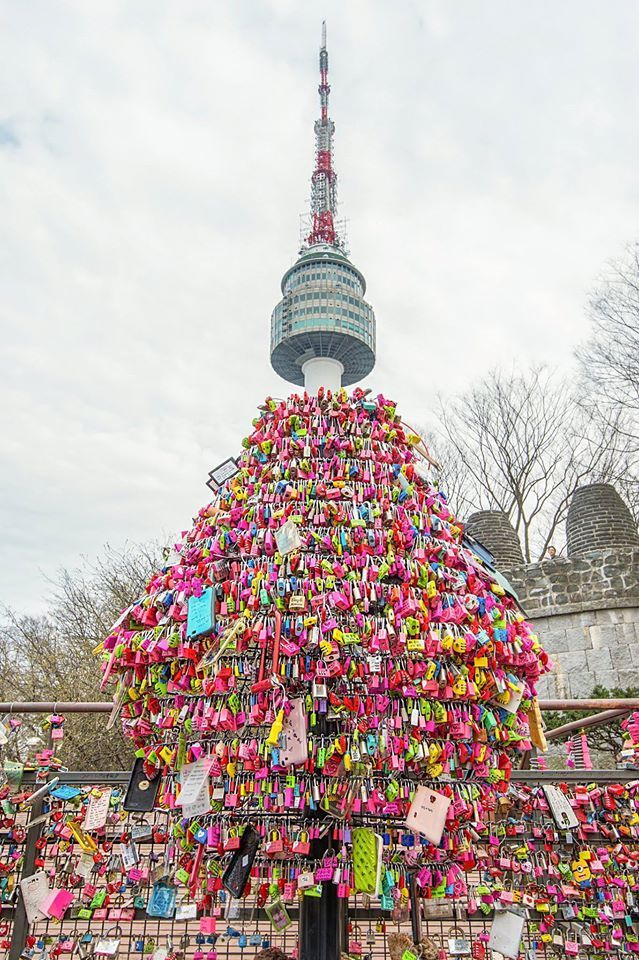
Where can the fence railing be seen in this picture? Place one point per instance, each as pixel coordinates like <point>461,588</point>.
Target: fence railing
<point>521,858</point>
<point>523,862</point>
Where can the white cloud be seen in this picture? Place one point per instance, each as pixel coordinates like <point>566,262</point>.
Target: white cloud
<point>154,158</point>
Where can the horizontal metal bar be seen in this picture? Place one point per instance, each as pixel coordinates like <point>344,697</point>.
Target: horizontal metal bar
<point>60,706</point>
<point>574,776</point>
<point>595,720</point>
<point>88,777</point>
<point>121,777</point>
<point>101,706</point>
<point>631,703</point>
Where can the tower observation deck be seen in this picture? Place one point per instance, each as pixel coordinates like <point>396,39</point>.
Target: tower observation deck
<point>322,330</point>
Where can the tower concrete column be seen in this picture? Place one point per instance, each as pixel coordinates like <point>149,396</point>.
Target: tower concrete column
<point>322,372</point>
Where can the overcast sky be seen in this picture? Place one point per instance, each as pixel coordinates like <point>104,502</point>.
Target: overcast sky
<point>154,159</point>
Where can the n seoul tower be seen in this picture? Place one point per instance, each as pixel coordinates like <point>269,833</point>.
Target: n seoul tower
<point>322,330</point>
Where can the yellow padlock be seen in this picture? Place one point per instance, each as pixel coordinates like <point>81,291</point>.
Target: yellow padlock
<point>447,642</point>
<point>460,686</point>
<point>276,729</point>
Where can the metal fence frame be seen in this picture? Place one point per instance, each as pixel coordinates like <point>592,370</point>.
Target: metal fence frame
<point>15,913</point>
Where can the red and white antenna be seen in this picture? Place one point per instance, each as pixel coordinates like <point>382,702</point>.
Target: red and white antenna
<point>324,179</point>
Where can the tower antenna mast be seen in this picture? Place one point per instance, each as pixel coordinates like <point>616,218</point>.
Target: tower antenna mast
<point>324,179</point>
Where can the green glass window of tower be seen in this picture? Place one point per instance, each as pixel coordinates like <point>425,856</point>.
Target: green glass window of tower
<point>325,316</point>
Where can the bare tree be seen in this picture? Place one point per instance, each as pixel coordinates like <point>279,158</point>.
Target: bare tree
<point>50,657</point>
<point>610,358</point>
<point>521,443</point>
<point>453,477</point>
<point>609,361</point>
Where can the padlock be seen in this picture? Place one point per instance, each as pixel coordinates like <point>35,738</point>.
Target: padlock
<point>301,845</point>
<point>319,690</point>
<point>274,844</point>
<point>232,841</point>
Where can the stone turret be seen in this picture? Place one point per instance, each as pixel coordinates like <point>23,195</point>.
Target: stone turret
<point>585,606</point>
<point>495,531</point>
<point>599,520</point>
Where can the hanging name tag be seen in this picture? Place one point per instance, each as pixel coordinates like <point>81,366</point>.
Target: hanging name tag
<point>459,946</point>
<point>201,804</point>
<point>288,538</point>
<point>201,614</point>
<point>97,811</point>
<point>562,813</point>
<point>427,814</point>
<point>510,699</point>
<point>162,900</point>
<point>223,472</point>
<point>278,915</point>
<point>193,776</point>
<point>13,771</point>
<point>506,933</point>
<point>129,854</point>
<point>295,749</point>
<point>194,796</point>
<point>186,911</point>
<point>34,890</point>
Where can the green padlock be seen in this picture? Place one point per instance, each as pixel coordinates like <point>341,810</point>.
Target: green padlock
<point>98,899</point>
<point>392,791</point>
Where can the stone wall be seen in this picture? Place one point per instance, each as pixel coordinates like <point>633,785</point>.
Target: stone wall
<point>561,586</point>
<point>590,648</point>
<point>586,613</point>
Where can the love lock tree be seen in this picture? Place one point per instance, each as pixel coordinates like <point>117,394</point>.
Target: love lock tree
<point>321,658</point>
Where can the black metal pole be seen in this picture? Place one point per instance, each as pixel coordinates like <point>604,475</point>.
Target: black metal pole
<point>320,917</point>
<point>20,925</point>
<point>321,926</point>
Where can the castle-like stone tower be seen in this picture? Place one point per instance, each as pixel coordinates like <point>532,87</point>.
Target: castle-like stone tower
<point>585,606</point>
